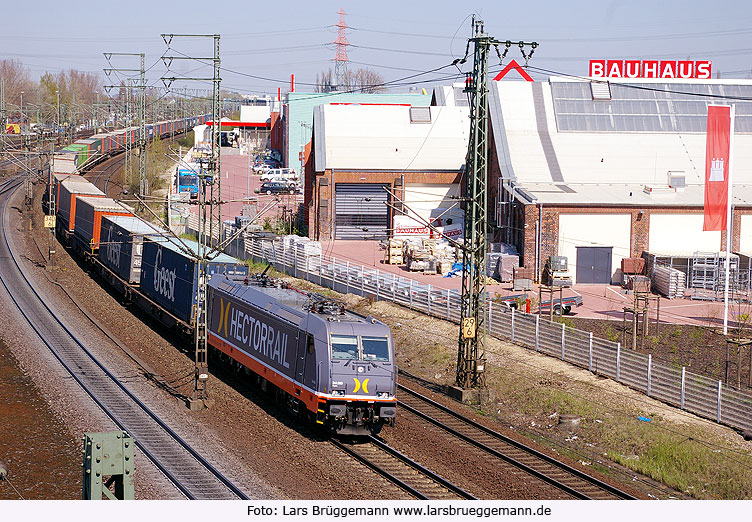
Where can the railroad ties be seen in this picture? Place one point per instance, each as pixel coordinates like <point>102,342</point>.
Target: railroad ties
<point>415,479</point>
<point>548,469</point>
<point>185,467</point>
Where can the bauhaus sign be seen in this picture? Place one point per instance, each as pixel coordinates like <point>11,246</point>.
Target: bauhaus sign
<point>687,69</point>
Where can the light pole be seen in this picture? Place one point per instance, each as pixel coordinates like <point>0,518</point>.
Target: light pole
<point>22,118</point>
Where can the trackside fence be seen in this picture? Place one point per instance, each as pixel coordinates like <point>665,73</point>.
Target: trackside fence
<point>674,385</point>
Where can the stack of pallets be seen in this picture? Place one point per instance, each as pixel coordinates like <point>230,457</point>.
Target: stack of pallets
<point>394,252</point>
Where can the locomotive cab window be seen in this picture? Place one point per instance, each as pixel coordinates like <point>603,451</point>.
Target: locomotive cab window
<point>344,347</point>
<point>311,344</point>
<point>375,348</point>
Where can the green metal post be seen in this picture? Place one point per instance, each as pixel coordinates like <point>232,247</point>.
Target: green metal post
<point>108,466</point>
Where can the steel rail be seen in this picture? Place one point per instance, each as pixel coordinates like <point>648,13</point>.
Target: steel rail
<point>404,459</point>
<point>579,474</point>
<point>182,465</point>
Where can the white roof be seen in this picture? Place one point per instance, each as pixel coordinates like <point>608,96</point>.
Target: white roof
<point>598,166</point>
<point>622,194</point>
<point>369,137</point>
<point>452,95</point>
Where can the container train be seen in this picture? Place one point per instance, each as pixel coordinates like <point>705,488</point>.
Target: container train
<point>335,366</point>
<point>99,146</point>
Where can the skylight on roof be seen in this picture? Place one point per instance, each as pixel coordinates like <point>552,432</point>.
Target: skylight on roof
<point>600,90</point>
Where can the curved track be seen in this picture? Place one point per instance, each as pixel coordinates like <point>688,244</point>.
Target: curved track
<point>190,473</point>
<point>399,469</point>
<point>552,471</point>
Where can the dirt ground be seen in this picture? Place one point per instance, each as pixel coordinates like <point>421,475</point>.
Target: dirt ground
<point>527,392</point>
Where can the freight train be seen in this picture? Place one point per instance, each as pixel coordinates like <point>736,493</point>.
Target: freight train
<point>331,365</point>
<point>99,146</point>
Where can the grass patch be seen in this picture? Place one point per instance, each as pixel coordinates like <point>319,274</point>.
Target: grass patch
<point>186,140</point>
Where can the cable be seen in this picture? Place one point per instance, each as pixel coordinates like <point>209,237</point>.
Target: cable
<point>383,84</point>
<point>641,87</point>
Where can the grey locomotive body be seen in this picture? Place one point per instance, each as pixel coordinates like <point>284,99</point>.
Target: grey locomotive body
<point>336,365</point>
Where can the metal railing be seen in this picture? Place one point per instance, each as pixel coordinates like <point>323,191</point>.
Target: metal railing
<point>660,380</point>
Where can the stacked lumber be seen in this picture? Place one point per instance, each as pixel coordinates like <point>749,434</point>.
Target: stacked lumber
<point>669,282</point>
<point>393,255</point>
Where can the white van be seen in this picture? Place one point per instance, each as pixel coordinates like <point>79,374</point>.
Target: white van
<point>288,174</point>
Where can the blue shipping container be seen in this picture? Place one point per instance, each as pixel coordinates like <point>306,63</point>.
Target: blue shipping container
<point>121,245</point>
<point>169,276</point>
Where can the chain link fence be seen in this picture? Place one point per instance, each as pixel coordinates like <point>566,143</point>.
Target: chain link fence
<point>660,380</point>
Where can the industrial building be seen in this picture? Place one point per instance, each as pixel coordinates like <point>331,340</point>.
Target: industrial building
<point>374,162</point>
<point>602,170</point>
<point>298,116</point>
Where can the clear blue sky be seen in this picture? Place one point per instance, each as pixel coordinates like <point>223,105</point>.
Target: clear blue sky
<point>272,40</point>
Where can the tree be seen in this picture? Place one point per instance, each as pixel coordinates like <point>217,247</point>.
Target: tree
<point>17,80</point>
<point>359,80</point>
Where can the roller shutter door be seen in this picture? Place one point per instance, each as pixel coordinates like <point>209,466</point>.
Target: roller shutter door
<point>745,236</point>
<point>360,211</point>
<point>681,234</point>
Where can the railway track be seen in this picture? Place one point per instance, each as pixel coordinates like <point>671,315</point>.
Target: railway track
<point>195,477</point>
<point>548,469</point>
<point>399,469</point>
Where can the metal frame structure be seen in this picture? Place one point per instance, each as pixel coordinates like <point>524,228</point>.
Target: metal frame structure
<point>471,356</point>
<point>211,177</point>
<point>142,183</point>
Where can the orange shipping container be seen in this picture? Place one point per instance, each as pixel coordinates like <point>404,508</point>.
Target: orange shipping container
<point>89,212</point>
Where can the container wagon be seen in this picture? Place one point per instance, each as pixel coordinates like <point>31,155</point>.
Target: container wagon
<point>69,191</point>
<point>88,224</point>
<point>169,276</point>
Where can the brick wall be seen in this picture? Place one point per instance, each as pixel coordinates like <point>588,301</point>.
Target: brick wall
<point>321,207</point>
<point>640,227</point>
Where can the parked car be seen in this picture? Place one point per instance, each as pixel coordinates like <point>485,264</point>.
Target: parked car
<point>276,187</point>
<point>265,167</point>
<point>286,174</point>
<point>279,179</point>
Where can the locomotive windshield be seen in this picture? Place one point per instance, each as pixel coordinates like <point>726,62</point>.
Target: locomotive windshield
<point>375,348</point>
<point>345,347</point>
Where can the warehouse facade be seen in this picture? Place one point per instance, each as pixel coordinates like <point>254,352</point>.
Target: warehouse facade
<point>379,167</point>
<point>599,171</point>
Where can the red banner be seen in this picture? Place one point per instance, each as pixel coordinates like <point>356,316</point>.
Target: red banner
<point>717,167</point>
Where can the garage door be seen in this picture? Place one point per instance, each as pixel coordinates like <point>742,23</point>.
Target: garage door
<point>360,211</point>
<point>595,230</point>
<point>594,265</point>
<point>745,233</point>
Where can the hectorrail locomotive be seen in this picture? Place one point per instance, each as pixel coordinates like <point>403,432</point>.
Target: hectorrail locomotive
<point>331,365</point>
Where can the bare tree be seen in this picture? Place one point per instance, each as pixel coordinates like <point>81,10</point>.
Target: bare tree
<point>366,80</point>
<point>17,80</point>
<point>359,80</point>
<point>324,81</point>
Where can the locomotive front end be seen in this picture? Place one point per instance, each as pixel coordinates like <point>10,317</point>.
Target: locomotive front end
<point>362,378</point>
